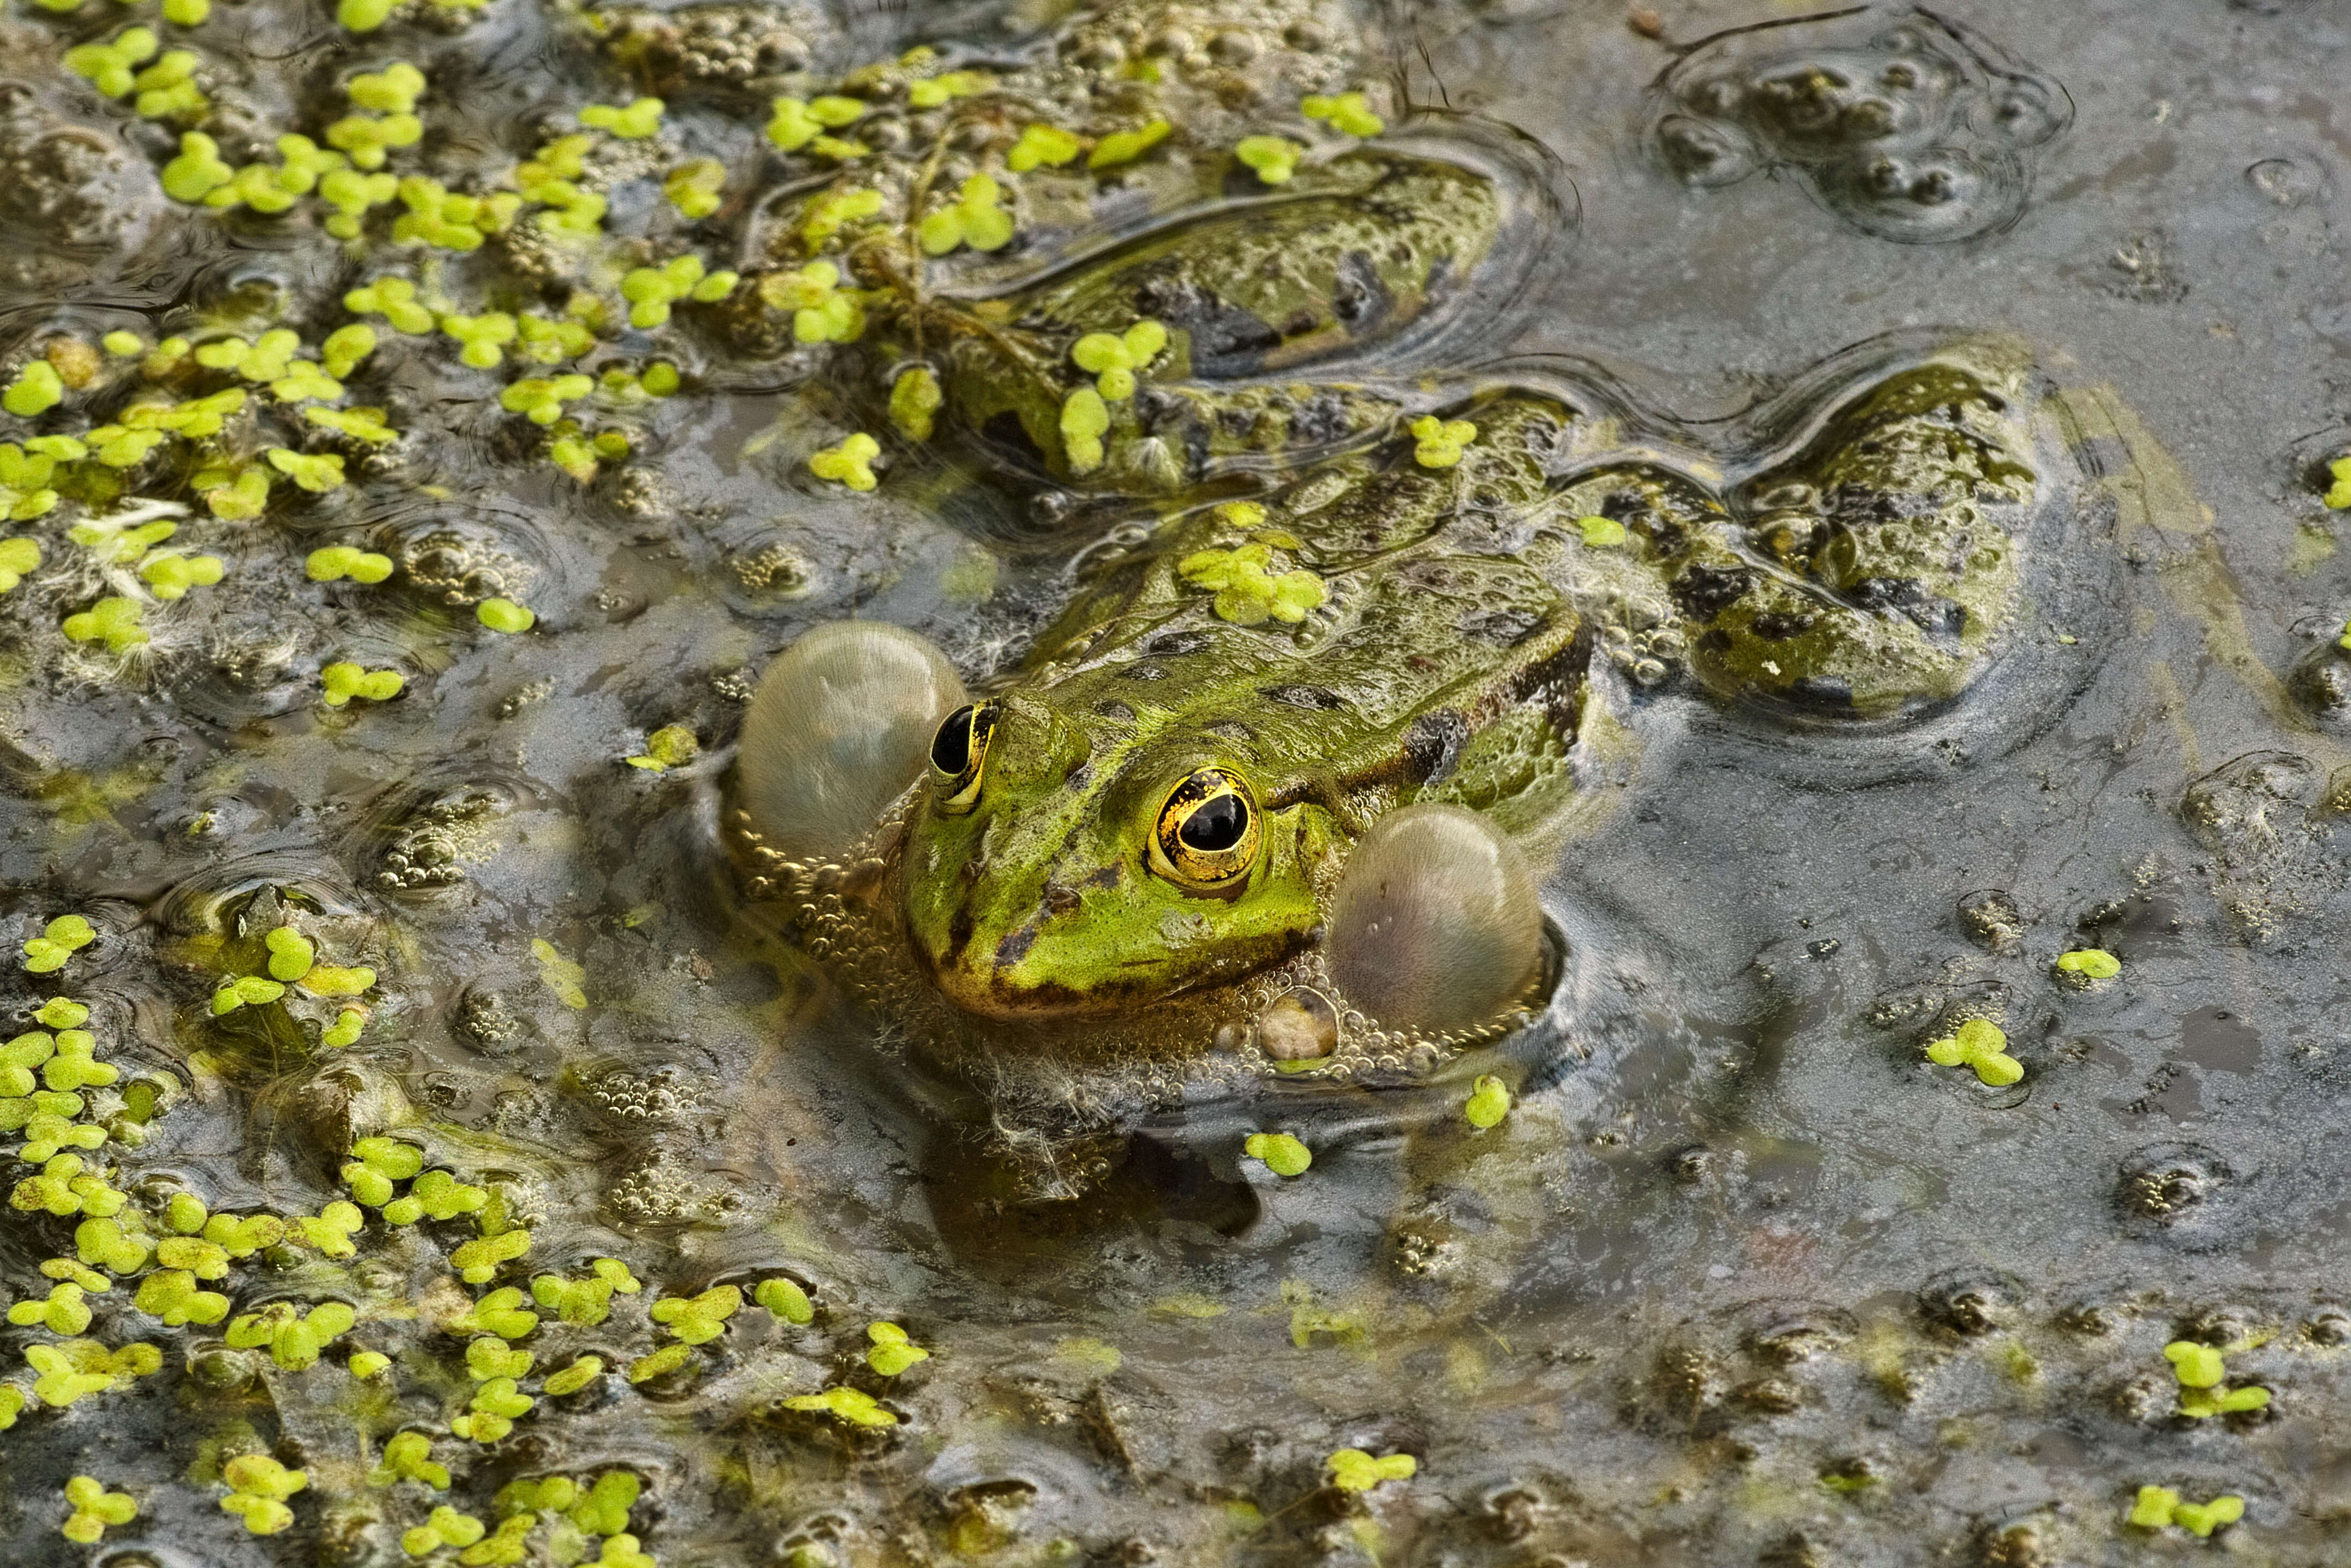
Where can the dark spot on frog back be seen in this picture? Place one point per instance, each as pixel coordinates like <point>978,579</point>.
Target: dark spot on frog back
<point>1505,628</point>
<point>1224,340</point>
<point>1433,745</point>
<point>1313,699</point>
<point>1359,299</point>
<point>1705,591</point>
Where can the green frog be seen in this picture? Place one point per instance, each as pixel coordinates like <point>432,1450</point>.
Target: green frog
<point>1261,799</point>
<point>1138,844</point>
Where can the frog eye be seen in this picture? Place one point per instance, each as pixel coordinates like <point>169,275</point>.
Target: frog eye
<point>958,752</point>
<point>1207,835</point>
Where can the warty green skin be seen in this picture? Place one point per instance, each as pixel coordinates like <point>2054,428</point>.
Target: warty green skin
<point>1041,899</point>
<point>1446,664</point>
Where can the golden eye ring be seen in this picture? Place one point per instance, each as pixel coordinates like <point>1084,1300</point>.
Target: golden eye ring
<point>959,755</point>
<point>1208,831</point>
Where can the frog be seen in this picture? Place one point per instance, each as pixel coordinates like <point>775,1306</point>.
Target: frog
<point>1349,628</point>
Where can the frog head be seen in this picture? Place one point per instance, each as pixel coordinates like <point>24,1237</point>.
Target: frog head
<point>1062,863</point>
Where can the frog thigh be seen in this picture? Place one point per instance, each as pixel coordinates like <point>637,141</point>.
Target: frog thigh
<point>1876,571</point>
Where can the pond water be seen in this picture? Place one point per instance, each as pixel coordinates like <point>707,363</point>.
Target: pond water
<point>1861,477</point>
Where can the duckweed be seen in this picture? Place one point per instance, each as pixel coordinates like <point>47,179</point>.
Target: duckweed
<point>18,557</point>
<point>489,1358</point>
<point>1440,443</point>
<point>2201,1519</point>
<point>651,290</point>
<point>975,218</point>
<point>893,1350</point>
<point>408,1456</point>
<point>295,1339</point>
<point>111,621</point>
<point>291,953</point>
<point>1348,112</point>
<point>1115,357</point>
<point>394,300</point>
<point>1040,143</point>
<point>1248,593</point>
<point>503,615</point>
<point>822,312</point>
<point>697,1320</point>
<point>444,1527</point>
<point>376,1163</point>
<point>849,1405</point>
<point>60,939</point>
<point>1981,1044</point>
<point>369,1364</point>
<point>1085,418</point>
<point>1351,1469</point>
<point>696,189</point>
<point>330,1231</point>
<point>2201,1373</point>
<point>2089,964</point>
<point>1489,1103</point>
<point>168,88</point>
<point>25,474</point>
<point>170,576</point>
<point>173,1296</point>
<point>437,1195</point>
<point>833,211</point>
<point>794,123</point>
<point>672,745</point>
<point>786,1300</point>
<point>1273,159</point>
<point>317,473</point>
<point>105,1242</point>
<point>259,1488</point>
<point>583,1371</point>
<point>540,399</point>
<point>1601,533</point>
<point>491,1414</point>
<point>74,1369</point>
<point>2338,491</point>
<point>914,399</point>
<point>850,462</point>
<point>1126,146</point>
<point>36,390</point>
<point>62,1313</point>
<point>245,990</point>
<point>634,122</point>
<point>335,562</point>
<point>477,1261</point>
<point>1281,1154</point>
<point>344,1031</point>
<point>95,1507</point>
<point>660,1364</point>
<point>501,1313</point>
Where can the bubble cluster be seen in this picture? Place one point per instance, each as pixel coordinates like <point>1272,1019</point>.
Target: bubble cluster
<point>1919,133</point>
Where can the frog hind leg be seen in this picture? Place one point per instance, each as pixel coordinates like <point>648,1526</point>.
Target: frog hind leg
<point>1875,572</point>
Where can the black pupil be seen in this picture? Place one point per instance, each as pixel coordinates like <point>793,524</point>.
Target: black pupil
<point>1217,825</point>
<point>951,748</point>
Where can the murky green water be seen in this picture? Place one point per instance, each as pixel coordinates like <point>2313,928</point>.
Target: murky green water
<point>1742,1277</point>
